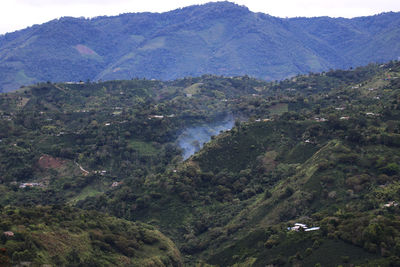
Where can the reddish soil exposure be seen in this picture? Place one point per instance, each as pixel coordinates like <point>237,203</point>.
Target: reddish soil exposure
<point>47,162</point>
<point>84,50</point>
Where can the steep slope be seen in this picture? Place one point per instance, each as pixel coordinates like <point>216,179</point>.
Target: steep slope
<point>219,38</point>
<point>75,140</point>
<point>318,149</point>
<point>65,236</point>
<point>330,162</point>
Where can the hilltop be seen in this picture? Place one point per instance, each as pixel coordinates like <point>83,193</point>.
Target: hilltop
<point>221,38</point>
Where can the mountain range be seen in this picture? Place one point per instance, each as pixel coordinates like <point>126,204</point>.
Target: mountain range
<point>221,38</point>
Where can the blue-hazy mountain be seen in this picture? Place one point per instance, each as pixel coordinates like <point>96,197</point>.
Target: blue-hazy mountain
<point>220,38</point>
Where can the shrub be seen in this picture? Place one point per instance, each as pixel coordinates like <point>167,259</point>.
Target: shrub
<point>391,169</point>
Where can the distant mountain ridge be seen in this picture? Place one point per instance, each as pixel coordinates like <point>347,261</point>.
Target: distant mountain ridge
<point>220,38</point>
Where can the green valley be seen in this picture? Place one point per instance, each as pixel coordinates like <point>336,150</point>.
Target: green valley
<point>92,174</point>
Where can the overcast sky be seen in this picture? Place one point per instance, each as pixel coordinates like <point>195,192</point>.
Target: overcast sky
<point>18,14</point>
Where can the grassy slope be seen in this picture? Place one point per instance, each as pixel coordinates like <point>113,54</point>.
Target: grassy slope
<point>66,236</point>
<point>335,181</point>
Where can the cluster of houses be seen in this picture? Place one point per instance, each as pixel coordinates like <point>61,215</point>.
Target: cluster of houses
<point>115,184</point>
<point>83,110</point>
<point>118,111</point>
<point>80,82</point>
<point>8,234</point>
<point>344,117</point>
<point>156,117</point>
<point>25,185</point>
<point>6,117</point>
<point>103,172</point>
<point>160,116</point>
<point>391,204</point>
<point>300,226</point>
<point>320,119</point>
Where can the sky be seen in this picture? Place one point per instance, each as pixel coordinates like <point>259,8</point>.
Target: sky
<point>19,14</point>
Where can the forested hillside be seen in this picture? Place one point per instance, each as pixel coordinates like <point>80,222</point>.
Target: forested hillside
<point>220,38</point>
<point>307,176</point>
<point>64,236</point>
